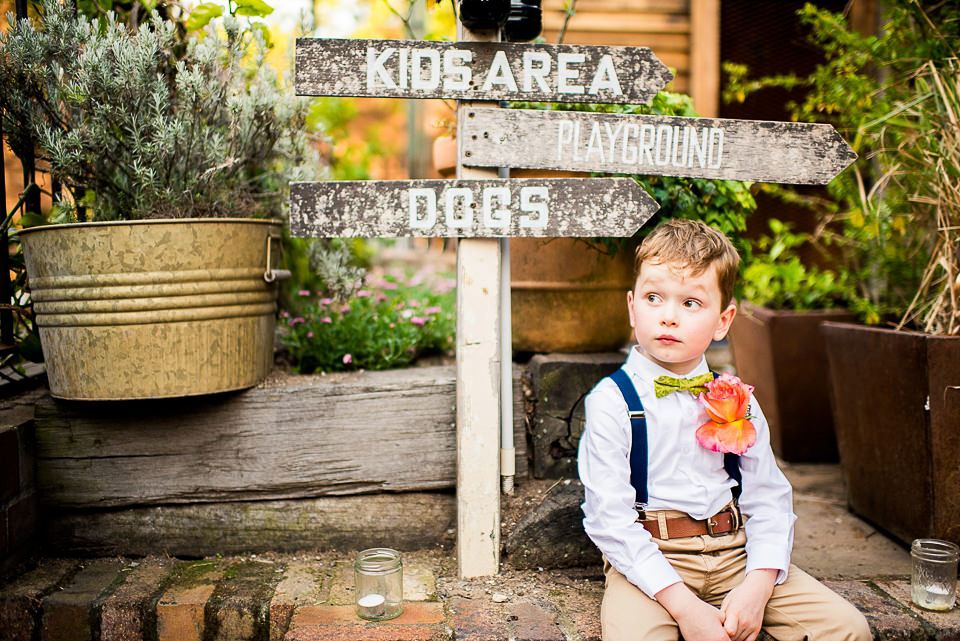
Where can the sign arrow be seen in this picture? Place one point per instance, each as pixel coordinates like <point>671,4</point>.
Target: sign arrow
<point>765,151</point>
<point>477,71</point>
<point>547,207</point>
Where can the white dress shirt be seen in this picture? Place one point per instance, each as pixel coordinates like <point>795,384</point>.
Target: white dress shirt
<point>682,475</point>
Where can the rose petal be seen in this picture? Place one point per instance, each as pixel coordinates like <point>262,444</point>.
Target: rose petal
<point>734,437</point>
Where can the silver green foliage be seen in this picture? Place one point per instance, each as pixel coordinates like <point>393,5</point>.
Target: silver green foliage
<point>144,124</point>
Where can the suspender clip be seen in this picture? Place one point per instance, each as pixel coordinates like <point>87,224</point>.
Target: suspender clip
<point>641,509</point>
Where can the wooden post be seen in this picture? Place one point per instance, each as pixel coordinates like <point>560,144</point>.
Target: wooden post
<point>705,57</point>
<point>478,383</point>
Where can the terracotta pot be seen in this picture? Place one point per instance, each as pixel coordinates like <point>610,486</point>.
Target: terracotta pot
<point>445,155</point>
<point>567,296</point>
<point>781,353</point>
<point>896,399</point>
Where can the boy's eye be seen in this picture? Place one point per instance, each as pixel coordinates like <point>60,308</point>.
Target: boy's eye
<point>652,298</point>
<point>692,303</point>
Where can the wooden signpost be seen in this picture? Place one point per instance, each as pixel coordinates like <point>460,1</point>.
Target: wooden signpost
<point>783,152</point>
<point>486,71</point>
<point>479,207</point>
<point>558,207</point>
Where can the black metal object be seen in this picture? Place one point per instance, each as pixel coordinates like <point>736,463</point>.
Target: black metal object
<point>484,15</point>
<point>524,22</point>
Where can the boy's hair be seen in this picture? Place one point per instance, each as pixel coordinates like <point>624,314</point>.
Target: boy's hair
<point>694,245</point>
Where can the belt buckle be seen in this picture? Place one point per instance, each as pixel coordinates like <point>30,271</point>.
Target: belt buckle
<point>735,522</point>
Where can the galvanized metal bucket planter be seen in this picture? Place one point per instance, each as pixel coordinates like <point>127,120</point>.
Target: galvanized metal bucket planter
<point>155,308</point>
<point>896,400</point>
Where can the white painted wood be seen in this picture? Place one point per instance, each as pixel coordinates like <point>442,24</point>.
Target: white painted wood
<point>478,384</point>
<point>717,148</point>
<point>530,207</point>
<point>478,70</point>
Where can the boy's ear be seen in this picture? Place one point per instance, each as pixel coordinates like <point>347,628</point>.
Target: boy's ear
<point>726,317</point>
<point>633,320</point>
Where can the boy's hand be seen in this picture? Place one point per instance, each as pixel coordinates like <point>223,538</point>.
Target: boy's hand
<point>742,608</point>
<point>698,621</point>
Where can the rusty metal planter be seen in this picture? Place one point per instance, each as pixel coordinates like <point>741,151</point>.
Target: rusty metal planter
<point>897,414</point>
<point>782,354</point>
<point>568,296</point>
<point>153,309</point>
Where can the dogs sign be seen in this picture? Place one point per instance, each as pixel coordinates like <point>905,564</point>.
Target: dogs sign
<point>556,207</point>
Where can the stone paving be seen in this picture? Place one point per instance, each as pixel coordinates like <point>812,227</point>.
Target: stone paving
<point>310,598</point>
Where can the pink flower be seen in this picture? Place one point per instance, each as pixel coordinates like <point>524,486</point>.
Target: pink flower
<point>326,319</point>
<point>727,401</point>
<point>309,334</point>
<point>347,359</point>
<point>433,310</point>
<point>304,292</point>
<point>294,321</point>
<point>363,293</point>
<point>418,320</point>
<point>326,301</point>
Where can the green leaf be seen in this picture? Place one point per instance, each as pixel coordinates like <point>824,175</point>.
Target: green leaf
<point>264,31</point>
<point>257,8</point>
<point>202,14</point>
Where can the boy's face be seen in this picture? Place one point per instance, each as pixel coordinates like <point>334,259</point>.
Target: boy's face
<point>676,315</point>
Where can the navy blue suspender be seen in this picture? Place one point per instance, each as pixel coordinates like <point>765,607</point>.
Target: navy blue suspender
<point>638,452</point>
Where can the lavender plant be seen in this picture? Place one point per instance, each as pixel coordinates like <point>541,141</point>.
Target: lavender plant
<point>134,129</point>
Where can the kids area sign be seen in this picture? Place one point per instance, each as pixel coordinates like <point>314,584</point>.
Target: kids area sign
<point>766,151</point>
<point>558,207</point>
<point>478,71</point>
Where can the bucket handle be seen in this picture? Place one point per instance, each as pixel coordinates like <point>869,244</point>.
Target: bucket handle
<point>270,275</point>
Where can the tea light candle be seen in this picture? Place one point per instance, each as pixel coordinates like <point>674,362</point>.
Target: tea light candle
<point>371,606</point>
<point>933,585</point>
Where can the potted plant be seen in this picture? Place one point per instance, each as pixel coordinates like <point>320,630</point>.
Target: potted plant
<point>775,338</point>
<point>175,155</point>
<point>576,288</point>
<point>896,387</point>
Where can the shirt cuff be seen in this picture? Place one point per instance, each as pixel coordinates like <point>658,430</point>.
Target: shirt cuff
<point>768,557</point>
<point>654,575</point>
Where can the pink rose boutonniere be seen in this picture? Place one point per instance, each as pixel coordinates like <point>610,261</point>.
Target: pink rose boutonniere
<point>727,401</point>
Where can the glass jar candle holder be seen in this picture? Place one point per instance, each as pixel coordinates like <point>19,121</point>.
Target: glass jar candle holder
<point>378,583</point>
<point>933,585</point>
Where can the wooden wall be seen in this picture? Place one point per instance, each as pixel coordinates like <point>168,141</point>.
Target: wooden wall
<point>684,34</point>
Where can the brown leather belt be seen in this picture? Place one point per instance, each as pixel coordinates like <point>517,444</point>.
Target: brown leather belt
<point>724,522</point>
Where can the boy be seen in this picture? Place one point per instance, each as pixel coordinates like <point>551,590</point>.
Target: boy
<point>718,576</point>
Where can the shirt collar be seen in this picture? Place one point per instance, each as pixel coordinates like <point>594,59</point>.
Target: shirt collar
<point>646,370</point>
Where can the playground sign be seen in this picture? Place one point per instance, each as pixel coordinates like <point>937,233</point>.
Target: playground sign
<point>765,151</point>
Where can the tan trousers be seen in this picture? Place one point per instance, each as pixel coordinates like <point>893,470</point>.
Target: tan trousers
<point>801,608</point>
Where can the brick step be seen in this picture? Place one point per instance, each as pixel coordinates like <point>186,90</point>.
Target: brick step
<point>310,598</point>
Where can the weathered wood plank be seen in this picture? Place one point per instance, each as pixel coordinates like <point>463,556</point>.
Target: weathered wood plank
<point>783,152</point>
<point>402,521</point>
<point>477,71</point>
<point>532,207</point>
<point>307,437</point>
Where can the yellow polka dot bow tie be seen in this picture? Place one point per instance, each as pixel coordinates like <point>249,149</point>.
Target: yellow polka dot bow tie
<point>663,385</point>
